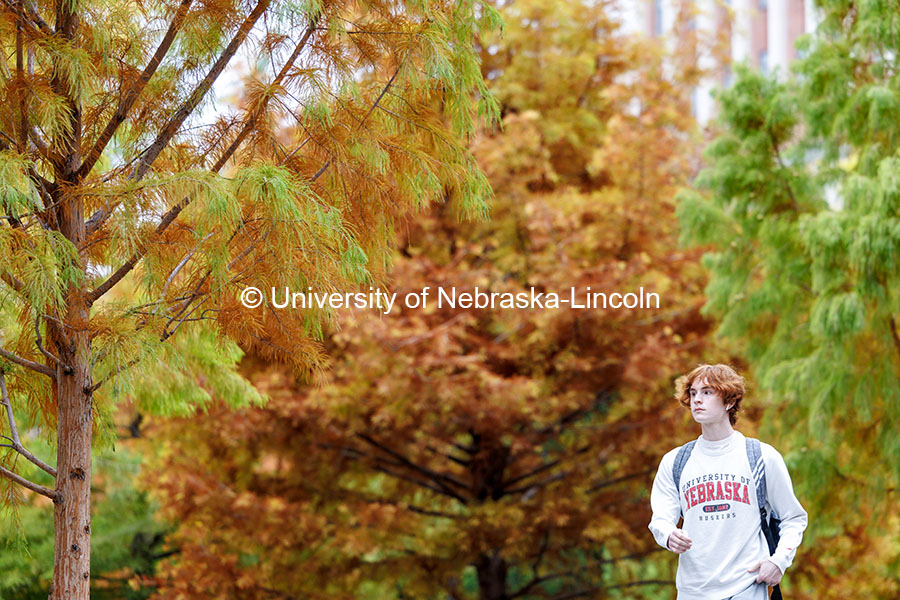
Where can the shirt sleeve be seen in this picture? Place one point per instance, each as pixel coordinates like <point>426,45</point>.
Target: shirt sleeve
<point>664,502</point>
<point>786,507</point>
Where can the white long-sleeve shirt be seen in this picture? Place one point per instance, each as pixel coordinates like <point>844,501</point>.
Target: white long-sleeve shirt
<point>721,516</point>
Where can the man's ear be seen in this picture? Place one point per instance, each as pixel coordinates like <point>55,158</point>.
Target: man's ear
<point>727,408</point>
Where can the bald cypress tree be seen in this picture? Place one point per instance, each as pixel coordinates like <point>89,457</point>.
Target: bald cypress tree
<point>800,205</point>
<point>135,210</point>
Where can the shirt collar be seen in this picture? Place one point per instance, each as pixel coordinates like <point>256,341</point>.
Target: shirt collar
<point>722,446</point>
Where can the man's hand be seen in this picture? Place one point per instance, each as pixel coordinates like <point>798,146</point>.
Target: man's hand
<point>678,542</point>
<point>768,572</point>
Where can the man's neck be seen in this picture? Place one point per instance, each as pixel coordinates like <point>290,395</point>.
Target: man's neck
<point>713,432</point>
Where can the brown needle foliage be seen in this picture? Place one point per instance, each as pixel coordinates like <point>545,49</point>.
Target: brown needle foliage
<point>493,452</point>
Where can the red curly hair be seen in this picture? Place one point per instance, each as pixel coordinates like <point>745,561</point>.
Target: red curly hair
<point>722,378</point>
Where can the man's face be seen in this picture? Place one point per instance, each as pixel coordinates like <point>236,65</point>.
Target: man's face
<point>707,406</point>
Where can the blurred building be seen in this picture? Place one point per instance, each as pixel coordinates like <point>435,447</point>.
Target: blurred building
<point>762,33</point>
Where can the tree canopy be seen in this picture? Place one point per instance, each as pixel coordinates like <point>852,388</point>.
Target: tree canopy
<point>135,209</point>
<point>479,453</point>
<point>799,204</point>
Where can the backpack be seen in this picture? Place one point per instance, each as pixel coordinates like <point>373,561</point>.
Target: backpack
<point>771,526</point>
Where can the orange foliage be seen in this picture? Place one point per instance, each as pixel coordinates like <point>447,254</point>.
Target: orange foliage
<point>495,453</point>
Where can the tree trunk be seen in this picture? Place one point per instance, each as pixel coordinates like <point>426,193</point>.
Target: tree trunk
<point>491,570</point>
<point>72,514</point>
<point>72,345</point>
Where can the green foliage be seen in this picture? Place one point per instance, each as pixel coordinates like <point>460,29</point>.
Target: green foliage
<point>809,289</point>
<point>16,189</point>
<point>127,538</point>
<point>805,288</point>
<point>181,378</point>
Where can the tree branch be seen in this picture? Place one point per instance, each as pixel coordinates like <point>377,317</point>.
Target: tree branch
<point>44,369</point>
<point>539,484</point>
<point>366,116</point>
<point>67,369</point>
<point>118,370</point>
<point>546,466</point>
<point>28,484</point>
<point>540,469</point>
<point>894,336</point>
<point>470,450</point>
<point>10,280</point>
<point>575,572</point>
<point>251,120</point>
<point>378,465</point>
<point>181,265</point>
<point>16,443</point>
<point>787,184</point>
<point>400,461</point>
<point>438,478</point>
<point>379,462</point>
<point>41,145</point>
<point>167,334</point>
<point>168,132</point>
<point>564,420</point>
<point>30,18</point>
<point>461,462</point>
<point>424,484</point>
<point>165,136</point>
<point>535,580</point>
<point>138,254</point>
<point>20,78</point>
<point>130,97</point>
<point>610,482</point>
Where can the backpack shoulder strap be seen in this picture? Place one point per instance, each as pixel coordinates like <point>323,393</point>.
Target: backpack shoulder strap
<point>758,470</point>
<point>684,453</point>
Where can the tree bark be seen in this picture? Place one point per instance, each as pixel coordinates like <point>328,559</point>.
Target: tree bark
<point>72,512</point>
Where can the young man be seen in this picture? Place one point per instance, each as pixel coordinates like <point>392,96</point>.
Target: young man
<point>723,551</point>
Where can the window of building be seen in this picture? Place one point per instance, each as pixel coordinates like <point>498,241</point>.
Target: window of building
<point>657,17</point>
